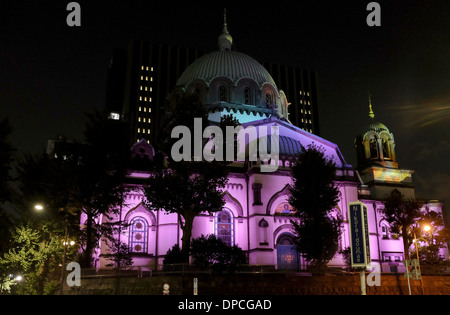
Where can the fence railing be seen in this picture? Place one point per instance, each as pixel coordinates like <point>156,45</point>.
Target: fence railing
<point>186,269</point>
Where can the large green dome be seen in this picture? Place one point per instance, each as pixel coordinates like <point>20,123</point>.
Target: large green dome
<point>228,64</point>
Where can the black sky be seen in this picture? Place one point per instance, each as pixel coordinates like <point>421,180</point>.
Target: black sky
<point>51,74</point>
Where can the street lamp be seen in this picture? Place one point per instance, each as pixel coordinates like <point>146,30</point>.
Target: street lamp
<point>426,228</point>
<point>38,207</point>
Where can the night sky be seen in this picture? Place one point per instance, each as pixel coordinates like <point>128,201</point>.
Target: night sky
<point>51,74</point>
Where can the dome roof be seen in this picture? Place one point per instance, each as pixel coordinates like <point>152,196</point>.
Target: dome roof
<point>377,126</point>
<point>286,145</point>
<point>225,63</point>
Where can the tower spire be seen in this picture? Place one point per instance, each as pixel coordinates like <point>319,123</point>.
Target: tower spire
<point>225,31</point>
<point>225,39</point>
<point>371,114</point>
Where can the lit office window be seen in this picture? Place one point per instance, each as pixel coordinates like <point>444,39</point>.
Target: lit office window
<point>114,116</point>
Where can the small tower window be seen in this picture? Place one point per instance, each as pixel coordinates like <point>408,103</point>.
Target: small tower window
<point>247,96</point>
<point>269,100</point>
<point>222,93</point>
<point>386,152</point>
<point>373,148</point>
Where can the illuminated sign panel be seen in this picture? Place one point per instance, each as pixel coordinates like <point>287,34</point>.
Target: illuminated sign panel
<point>359,235</point>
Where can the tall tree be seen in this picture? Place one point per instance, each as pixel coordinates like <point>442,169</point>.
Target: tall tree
<point>402,214</point>
<point>186,187</point>
<point>431,235</point>
<point>314,196</point>
<point>35,253</point>
<point>83,181</point>
<point>100,175</point>
<point>6,159</point>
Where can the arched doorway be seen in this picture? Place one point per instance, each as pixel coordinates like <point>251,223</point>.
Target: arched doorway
<point>287,255</point>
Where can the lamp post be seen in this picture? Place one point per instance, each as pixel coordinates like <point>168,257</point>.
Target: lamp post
<point>64,258</point>
<point>426,228</point>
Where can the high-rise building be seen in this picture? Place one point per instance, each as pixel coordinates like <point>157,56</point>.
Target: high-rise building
<point>301,89</point>
<point>141,77</point>
<point>139,80</point>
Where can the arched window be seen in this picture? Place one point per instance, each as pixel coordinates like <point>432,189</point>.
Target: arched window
<point>224,227</point>
<point>269,99</point>
<point>263,225</point>
<point>373,146</point>
<point>223,94</point>
<point>247,96</point>
<point>385,231</point>
<point>386,151</point>
<point>138,236</point>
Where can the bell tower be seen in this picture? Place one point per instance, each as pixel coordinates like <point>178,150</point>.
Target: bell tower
<point>375,144</point>
<point>377,162</point>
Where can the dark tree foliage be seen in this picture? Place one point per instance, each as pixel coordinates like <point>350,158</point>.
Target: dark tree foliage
<point>314,196</point>
<point>402,214</point>
<point>210,251</point>
<point>101,175</point>
<point>6,159</point>
<point>186,188</point>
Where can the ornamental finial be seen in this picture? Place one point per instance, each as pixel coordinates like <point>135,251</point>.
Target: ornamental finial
<point>371,114</point>
<point>225,39</point>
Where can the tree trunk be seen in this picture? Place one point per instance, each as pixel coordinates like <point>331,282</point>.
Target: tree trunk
<point>186,238</point>
<point>86,258</point>
<point>405,242</point>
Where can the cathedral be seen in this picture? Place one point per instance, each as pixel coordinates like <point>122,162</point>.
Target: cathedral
<point>256,216</point>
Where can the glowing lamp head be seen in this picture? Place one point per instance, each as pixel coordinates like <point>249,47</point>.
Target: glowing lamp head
<point>39,207</point>
<point>426,228</point>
